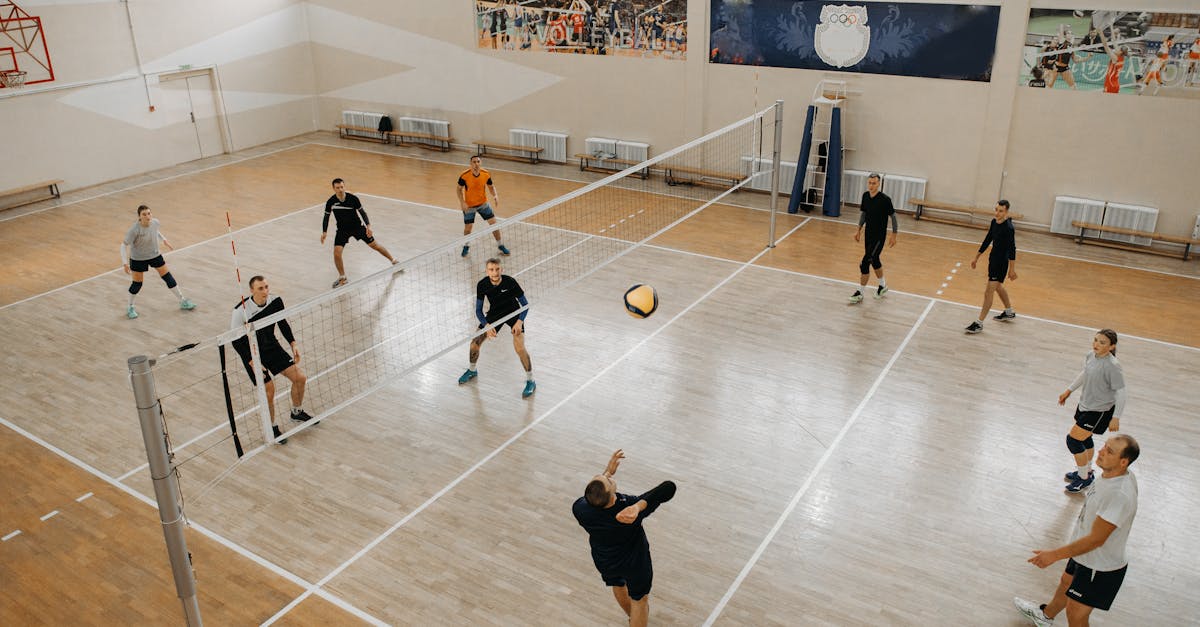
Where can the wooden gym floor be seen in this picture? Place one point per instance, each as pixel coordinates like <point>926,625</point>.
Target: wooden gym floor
<point>837,464</point>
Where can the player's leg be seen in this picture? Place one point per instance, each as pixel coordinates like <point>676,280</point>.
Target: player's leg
<point>1004,296</point>
<point>473,370</point>
<point>165,274</point>
<point>877,264</point>
<point>487,214</point>
<point>377,247</point>
<point>621,593</point>
<point>639,612</point>
<point>526,362</point>
<point>298,379</point>
<point>864,270</point>
<point>135,286</point>
<point>1059,601</point>
<point>988,296</point>
<point>468,224</point>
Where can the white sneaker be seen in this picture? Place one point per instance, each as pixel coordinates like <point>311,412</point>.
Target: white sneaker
<point>1033,612</point>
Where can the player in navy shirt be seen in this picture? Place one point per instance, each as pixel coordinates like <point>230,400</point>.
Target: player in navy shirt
<point>352,221</point>
<point>505,297</point>
<point>1002,262</point>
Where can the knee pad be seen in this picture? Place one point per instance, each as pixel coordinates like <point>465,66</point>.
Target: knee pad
<point>1076,446</point>
<point>876,263</point>
<point>135,287</point>
<point>169,280</point>
<point>1089,443</point>
<point>864,267</point>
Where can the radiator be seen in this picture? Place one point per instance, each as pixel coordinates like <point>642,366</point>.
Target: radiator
<point>362,118</point>
<point>633,151</point>
<point>522,137</point>
<point>437,128</point>
<point>787,174</point>
<point>1068,209</point>
<point>1129,217</point>
<point>1196,229</point>
<point>900,188</point>
<point>553,145</point>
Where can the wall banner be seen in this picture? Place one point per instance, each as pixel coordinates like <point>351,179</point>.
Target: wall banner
<point>629,28</point>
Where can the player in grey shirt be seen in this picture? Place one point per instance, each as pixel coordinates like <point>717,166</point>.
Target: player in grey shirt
<point>1100,405</point>
<point>139,252</point>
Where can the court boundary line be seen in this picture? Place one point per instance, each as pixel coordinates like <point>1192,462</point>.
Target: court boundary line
<point>205,531</point>
<point>516,436</point>
<point>812,474</point>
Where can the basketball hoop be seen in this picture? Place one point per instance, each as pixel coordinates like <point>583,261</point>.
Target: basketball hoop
<point>13,78</point>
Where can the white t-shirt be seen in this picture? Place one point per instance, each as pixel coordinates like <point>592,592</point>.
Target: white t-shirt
<point>1114,500</point>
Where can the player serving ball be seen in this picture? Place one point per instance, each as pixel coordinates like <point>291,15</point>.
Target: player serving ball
<point>505,297</point>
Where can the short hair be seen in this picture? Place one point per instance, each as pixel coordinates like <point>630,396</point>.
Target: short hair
<point>255,279</point>
<point>1131,450</point>
<point>495,260</point>
<point>142,208</point>
<point>336,181</point>
<point>474,157</point>
<point>596,493</point>
<point>1003,203</point>
<point>875,176</point>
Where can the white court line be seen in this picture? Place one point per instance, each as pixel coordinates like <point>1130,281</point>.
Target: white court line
<point>479,464</point>
<point>50,515</point>
<point>737,582</point>
<point>172,253</point>
<point>83,498</point>
<point>240,550</point>
<point>11,536</point>
<point>172,177</point>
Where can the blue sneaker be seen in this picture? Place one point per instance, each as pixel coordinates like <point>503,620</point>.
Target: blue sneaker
<point>466,249</point>
<point>530,387</point>
<point>504,250</point>
<point>131,313</point>
<point>1072,476</point>
<point>467,376</point>
<point>187,305</point>
<point>1079,484</point>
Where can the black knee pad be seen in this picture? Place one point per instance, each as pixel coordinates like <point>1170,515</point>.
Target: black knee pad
<point>1076,446</point>
<point>876,263</point>
<point>135,287</point>
<point>169,280</point>
<point>864,267</point>
<point>1088,443</point>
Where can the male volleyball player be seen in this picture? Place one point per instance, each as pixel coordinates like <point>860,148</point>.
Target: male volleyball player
<point>620,549</point>
<point>474,183</point>
<point>139,252</point>
<point>352,221</point>
<point>275,360</point>
<point>875,210</point>
<point>1002,262</point>
<point>1096,562</point>
<point>505,297</point>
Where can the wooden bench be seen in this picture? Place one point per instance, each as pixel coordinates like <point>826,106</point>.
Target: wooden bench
<point>423,140</point>
<point>375,134</point>
<point>51,189</point>
<point>533,151</point>
<point>1187,242</point>
<point>597,163</point>
<point>923,205</point>
<point>699,177</point>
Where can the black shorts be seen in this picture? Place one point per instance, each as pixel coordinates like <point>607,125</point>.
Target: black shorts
<point>1094,588</point>
<point>341,238</point>
<point>1094,421</point>
<point>997,270</point>
<point>142,265</point>
<point>275,360</point>
<point>637,582</point>
<point>511,322</point>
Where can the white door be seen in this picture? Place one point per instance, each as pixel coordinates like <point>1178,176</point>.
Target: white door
<point>177,135</point>
<point>204,115</point>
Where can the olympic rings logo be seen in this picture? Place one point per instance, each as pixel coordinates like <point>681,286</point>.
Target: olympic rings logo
<point>848,19</point>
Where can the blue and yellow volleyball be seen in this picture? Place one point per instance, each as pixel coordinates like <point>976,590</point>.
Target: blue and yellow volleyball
<point>641,301</point>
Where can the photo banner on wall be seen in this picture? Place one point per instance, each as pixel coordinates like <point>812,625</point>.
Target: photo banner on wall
<point>1115,52</point>
<point>953,41</point>
<point>605,27</point>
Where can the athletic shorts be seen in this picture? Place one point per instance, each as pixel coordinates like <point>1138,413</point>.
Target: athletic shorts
<point>341,238</point>
<point>997,270</point>
<point>485,212</point>
<point>637,583</point>
<point>1154,76</point>
<point>275,360</point>
<point>1094,588</point>
<point>511,322</point>
<point>1194,55</point>
<point>142,265</point>
<point>1094,421</point>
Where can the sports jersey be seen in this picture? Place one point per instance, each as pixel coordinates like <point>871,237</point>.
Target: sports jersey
<point>475,186</point>
<point>1003,240</point>
<point>503,298</point>
<point>249,311</point>
<point>1112,76</point>
<point>348,213</point>
<point>1114,500</point>
<point>875,212</point>
<point>143,240</point>
<point>1102,377</point>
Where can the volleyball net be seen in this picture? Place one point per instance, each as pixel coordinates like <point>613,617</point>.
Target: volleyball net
<point>371,332</point>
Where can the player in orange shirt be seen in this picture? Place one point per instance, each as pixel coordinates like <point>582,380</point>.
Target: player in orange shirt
<point>1157,63</point>
<point>473,186</point>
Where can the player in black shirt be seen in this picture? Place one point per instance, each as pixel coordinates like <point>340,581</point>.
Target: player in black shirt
<point>875,211</point>
<point>351,221</point>
<point>620,549</point>
<point>505,297</point>
<point>1002,262</point>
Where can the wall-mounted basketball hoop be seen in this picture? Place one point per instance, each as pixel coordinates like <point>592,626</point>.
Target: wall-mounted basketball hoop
<point>13,79</point>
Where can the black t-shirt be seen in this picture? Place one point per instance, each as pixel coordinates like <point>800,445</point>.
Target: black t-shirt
<point>879,210</point>
<point>503,299</point>
<point>1003,240</point>
<point>616,546</point>
<point>347,213</point>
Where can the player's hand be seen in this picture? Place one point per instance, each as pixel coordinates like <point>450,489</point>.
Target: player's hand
<point>1012,275</point>
<point>629,515</point>
<point>296,355</point>
<point>974,262</point>
<point>518,328</point>
<point>127,269</point>
<point>858,235</point>
<point>1062,398</point>
<point>491,332</point>
<point>613,462</point>
<point>1042,559</point>
<point>891,240</point>
<point>168,245</point>
<point>369,233</point>
<point>323,237</point>
<point>1114,424</point>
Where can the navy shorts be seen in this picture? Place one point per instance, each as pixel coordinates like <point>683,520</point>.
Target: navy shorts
<point>997,270</point>
<point>1094,588</point>
<point>637,583</point>
<point>275,360</point>
<point>1094,421</point>
<point>142,265</point>
<point>485,212</point>
<point>341,238</point>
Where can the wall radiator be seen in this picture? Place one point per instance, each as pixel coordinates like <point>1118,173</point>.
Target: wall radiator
<point>553,145</point>
<point>437,128</point>
<point>362,118</point>
<point>1138,218</point>
<point>787,174</point>
<point>621,149</point>
<point>898,187</point>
